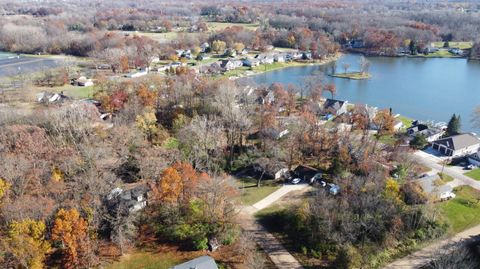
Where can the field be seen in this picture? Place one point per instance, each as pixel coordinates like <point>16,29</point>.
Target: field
<point>250,193</point>
<point>464,211</point>
<point>460,44</point>
<point>215,26</point>
<point>146,260</point>
<point>406,121</point>
<point>475,174</point>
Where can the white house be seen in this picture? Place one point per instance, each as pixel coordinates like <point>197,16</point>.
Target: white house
<point>457,145</point>
<point>430,133</point>
<point>85,82</point>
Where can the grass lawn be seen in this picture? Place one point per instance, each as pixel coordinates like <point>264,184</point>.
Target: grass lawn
<point>250,194</point>
<point>145,260</point>
<point>79,92</point>
<point>475,174</point>
<point>460,45</point>
<point>464,211</point>
<point>217,26</point>
<point>353,75</point>
<point>406,121</point>
<point>387,139</point>
<point>443,53</point>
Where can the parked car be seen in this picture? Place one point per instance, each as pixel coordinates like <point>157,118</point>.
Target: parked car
<point>334,189</point>
<point>444,196</point>
<point>296,180</point>
<point>470,167</point>
<point>316,178</point>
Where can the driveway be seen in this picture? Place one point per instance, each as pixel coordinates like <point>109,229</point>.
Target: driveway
<point>265,240</point>
<point>435,163</point>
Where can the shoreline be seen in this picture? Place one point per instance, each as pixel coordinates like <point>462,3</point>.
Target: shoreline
<point>249,73</point>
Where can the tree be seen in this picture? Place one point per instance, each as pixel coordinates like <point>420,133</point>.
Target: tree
<point>419,141</point>
<point>4,187</point>
<point>238,47</point>
<point>26,243</point>
<point>147,123</point>
<point>218,46</point>
<point>384,122</point>
<point>364,65</point>
<point>453,127</point>
<point>331,89</point>
<point>345,67</point>
<point>70,230</point>
<point>170,185</point>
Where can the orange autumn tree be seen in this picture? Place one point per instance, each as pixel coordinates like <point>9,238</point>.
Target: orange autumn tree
<point>70,230</point>
<point>189,179</point>
<point>170,185</point>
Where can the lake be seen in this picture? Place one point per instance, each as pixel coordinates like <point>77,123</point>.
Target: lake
<point>14,65</point>
<point>419,88</point>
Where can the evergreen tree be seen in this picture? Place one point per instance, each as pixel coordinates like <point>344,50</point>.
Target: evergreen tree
<point>453,126</point>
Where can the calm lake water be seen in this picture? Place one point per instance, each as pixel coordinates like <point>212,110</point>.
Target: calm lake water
<point>424,89</point>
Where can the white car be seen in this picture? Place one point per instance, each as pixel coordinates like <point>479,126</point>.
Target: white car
<point>296,180</point>
<point>444,196</point>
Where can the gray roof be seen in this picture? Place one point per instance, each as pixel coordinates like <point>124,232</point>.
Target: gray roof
<point>460,141</point>
<point>203,262</point>
<point>428,185</point>
<point>334,104</point>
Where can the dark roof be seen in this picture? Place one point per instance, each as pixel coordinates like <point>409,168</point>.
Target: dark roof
<point>417,128</point>
<point>305,172</point>
<point>203,262</point>
<point>333,104</point>
<point>458,141</point>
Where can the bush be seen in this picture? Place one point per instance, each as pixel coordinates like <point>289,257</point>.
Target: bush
<point>419,142</point>
<point>348,257</point>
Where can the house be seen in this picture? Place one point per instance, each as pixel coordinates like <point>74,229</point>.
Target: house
<point>265,58</point>
<point>430,186</point>
<point>244,52</point>
<point>335,107</point>
<point>279,58</point>
<point>130,199</point>
<point>50,98</point>
<point>203,262</point>
<point>231,64</point>
<point>474,159</point>
<point>205,47</point>
<point>251,62</point>
<point>456,51</point>
<point>306,55</point>
<point>306,173</point>
<point>84,82</point>
<point>357,44</point>
<point>457,145</point>
<point>430,133</point>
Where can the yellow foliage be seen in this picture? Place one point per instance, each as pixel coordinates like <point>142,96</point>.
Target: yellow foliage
<point>392,189</point>
<point>26,241</point>
<point>4,187</point>
<point>170,185</point>
<point>57,175</point>
<point>147,123</point>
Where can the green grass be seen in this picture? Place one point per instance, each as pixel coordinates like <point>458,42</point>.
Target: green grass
<point>387,139</point>
<point>460,44</point>
<point>475,174</point>
<point>79,92</point>
<point>443,53</point>
<point>464,211</point>
<point>217,26</point>
<point>407,122</point>
<point>171,143</point>
<point>353,75</point>
<point>250,193</point>
<point>145,260</point>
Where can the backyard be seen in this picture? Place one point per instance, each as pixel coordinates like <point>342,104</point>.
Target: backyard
<point>250,193</point>
<point>463,211</point>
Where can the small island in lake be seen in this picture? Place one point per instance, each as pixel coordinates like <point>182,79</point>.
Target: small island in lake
<point>362,74</point>
<point>353,75</point>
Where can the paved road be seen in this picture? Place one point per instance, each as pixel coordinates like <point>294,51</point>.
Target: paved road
<point>425,255</point>
<point>271,245</point>
<point>434,162</point>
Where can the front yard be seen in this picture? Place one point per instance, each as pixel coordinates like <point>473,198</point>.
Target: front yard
<point>475,174</point>
<point>146,260</point>
<point>462,212</point>
<point>251,194</point>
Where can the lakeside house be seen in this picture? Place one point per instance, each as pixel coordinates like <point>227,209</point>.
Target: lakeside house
<point>228,65</point>
<point>457,145</point>
<point>474,159</point>
<point>279,58</point>
<point>83,82</point>
<point>335,107</point>
<point>203,262</point>
<point>137,74</point>
<point>251,62</point>
<point>265,58</point>
<point>430,133</point>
